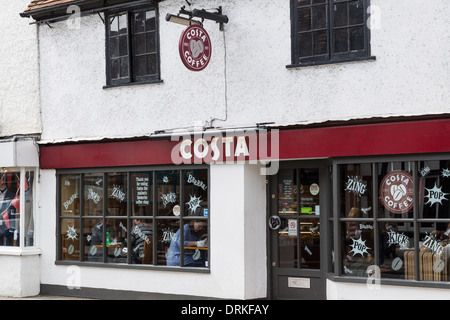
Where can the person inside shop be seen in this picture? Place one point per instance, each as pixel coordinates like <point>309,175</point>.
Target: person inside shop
<point>96,250</point>
<point>194,236</point>
<point>7,211</point>
<point>141,237</point>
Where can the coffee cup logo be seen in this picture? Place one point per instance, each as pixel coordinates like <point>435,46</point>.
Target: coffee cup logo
<point>396,191</point>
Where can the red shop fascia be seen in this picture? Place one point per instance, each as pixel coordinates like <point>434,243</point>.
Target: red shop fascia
<point>399,137</point>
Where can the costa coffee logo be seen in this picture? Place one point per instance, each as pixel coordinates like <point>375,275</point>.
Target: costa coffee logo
<point>195,48</point>
<point>396,191</point>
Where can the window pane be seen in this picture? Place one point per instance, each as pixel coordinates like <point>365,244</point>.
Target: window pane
<point>123,45</point>
<point>196,193</point>
<point>288,244</point>
<point>434,189</point>
<point>140,43</point>
<point>93,240</point>
<point>320,42</point>
<point>114,47</point>
<point>358,249</point>
<point>195,243</point>
<point>151,42</point>
<point>70,239</point>
<point>304,2</point>
<point>357,38</point>
<point>319,17</point>
<point>124,67</point>
<point>310,243</point>
<point>123,24</point>
<point>396,246</point>
<point>139,22</point>
<point>356,10</point>
<point>341,40</point>
<point>304,19</point>
<point>93,194</point>
<point>309,192</point>
<point>434,252</point>
<point>356,191</point>
<point>287,191</point>
<point>141,65</point>
<point>165,235</point>
<point>114,26</point>
<point>10,208</point>
<point>115,69</point>
<point>151,64</point>
<point>168,193</point>
<point>396,190</point>
<point>29,204</point>
<point>117,194</point>
<point>305,44</point>
<point>142,193</point>
<point>340,15</point>
<point>141,241</point>
<point>150,20</point>
<point>70,199</point>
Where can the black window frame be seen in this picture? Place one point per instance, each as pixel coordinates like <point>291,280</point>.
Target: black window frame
<point>331,56</point>
<point>131,33</point>
<point>335,269</point>
<point>182,218</point>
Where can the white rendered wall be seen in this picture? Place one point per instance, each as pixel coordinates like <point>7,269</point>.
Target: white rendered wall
<point>19,87</point>
<point>352,291</point>
<point>237,240</point>
<point>409,77</point>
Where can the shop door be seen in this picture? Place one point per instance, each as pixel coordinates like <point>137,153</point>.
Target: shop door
<point>298,209</point>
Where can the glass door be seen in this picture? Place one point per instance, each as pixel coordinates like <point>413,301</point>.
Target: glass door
<point>296,224</point>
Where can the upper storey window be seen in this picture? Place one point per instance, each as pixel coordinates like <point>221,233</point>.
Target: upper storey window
<point>132,46</point>
<point>326,31</point>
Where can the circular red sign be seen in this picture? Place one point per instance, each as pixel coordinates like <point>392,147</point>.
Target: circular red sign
<point>396,191</point>
<point>195,48</point>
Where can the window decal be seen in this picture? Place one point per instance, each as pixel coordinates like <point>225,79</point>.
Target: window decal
<point>425,171</point>
<point>195,182</point>
<point>193,204</point>
<point>359,247</point>
<point>72,233</point>
<point>168,198</point>
<point>435,195</point>
<point>445,173</point>
<point>396,191</point>
<point>67,203</point>
<point>356,185</point>
<point>395,238</point>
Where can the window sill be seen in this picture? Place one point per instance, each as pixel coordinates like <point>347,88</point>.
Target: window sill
<point>132,266</point>
<point>320,63</point>
<point>391,282</point>
<point>132,84</point>
<point>17,251</point>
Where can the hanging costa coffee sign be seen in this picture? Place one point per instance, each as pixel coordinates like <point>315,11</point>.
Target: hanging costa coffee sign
<point>396,191</point>
<point>195,48</point>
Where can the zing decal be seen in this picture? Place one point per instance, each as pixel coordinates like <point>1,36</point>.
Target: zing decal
<point>396,191</point>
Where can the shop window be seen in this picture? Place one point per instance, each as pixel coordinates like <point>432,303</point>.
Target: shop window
<point>405,232</point>
<point>132,47</point>
<point>329,31</point>
<point>16,207</point>
<point>157,218</point>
